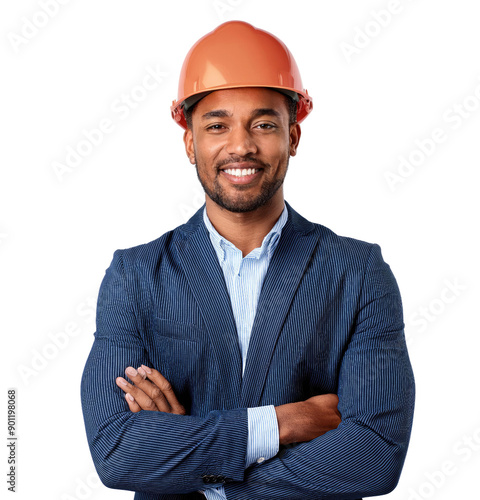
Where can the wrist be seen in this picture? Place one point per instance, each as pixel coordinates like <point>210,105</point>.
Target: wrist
<point>286,432</point>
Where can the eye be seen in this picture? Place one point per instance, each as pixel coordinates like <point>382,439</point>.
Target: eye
<point>215,127</point>
<point>265,126</point>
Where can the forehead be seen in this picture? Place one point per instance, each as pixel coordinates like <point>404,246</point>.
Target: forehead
<point>242,101</point>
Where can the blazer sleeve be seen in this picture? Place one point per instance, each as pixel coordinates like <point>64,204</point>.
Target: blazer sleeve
<point>148,451</point>
<point>365,454</point>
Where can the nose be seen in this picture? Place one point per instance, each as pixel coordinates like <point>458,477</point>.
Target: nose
<point>240,142</point>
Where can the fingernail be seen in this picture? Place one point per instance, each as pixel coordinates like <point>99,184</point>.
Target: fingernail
<point>142,372</point>
<point>130,397</point>
<point>122,381</point>
<point>147,369</point>
<point>131,371</point>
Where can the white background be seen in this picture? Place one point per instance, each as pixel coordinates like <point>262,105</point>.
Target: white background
<point>58,232</point>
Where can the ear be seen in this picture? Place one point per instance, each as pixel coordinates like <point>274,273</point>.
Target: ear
<point>189,149</point>
<point>295,133</point>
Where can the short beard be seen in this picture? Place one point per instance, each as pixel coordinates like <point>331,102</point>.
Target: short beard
<point>218,196</point>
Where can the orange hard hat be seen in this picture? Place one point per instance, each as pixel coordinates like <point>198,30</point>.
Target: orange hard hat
<point>236,54</point>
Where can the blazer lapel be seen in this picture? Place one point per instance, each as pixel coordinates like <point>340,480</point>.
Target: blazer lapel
<point>205,277</point>
<point>289,261</point>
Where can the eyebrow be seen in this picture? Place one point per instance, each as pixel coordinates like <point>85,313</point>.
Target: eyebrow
<point>223,113</point>
<point>218,113</point>
<point>266,112</point>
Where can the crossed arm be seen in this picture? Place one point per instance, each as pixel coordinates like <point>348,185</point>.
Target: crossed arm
<point>297,422</point>
<point>363,456</point>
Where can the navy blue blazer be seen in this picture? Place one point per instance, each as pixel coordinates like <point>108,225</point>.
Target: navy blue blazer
<point>329,320</point>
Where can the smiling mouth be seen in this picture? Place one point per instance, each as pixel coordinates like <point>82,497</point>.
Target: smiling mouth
<point>241,172</point>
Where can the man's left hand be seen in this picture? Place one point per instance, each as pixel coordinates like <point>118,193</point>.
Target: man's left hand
<point>150,391</point>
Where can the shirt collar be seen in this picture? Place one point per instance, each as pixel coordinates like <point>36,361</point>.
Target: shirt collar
<point>269,242</point>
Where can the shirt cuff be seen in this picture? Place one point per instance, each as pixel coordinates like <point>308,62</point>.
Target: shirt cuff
<point>263,437</point>
<point>214,493</point>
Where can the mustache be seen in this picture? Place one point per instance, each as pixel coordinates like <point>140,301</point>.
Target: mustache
<point>240,159</point>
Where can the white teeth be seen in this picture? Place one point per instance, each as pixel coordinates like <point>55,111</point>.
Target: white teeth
<point>241,172</point>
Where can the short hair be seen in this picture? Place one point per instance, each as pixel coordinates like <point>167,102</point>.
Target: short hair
<point>291,106</point>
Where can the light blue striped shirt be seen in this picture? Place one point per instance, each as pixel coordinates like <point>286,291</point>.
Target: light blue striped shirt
<point>244,278</point>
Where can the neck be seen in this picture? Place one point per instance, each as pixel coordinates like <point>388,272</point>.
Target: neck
<point>245,230</point>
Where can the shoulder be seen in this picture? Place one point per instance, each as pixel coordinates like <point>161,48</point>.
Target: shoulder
<point>350,261</point>
<point>342,249</point>
<point>149,255</point>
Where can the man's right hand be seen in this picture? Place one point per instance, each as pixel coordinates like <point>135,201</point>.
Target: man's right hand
<point>150,391</point>
<point>306,420</point>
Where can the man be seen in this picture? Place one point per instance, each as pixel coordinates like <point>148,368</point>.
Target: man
<point>270,354</point>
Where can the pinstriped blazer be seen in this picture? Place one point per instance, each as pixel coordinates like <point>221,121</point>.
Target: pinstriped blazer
<point>329,320</point>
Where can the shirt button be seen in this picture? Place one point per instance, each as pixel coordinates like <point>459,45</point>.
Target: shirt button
<point>260,460</point>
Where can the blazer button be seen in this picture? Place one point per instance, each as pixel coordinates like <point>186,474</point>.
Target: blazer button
<point>208,478</point>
